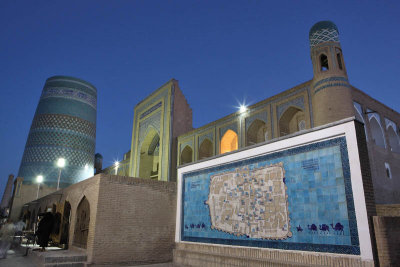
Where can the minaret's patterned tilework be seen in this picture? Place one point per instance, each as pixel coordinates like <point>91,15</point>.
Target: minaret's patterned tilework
<point>323,31</point>
<point>64,126</point>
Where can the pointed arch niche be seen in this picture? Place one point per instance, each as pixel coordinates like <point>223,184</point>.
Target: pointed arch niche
<point>82,224</point>
<point>393,139</point>
<point>256,133</point>
<point>377,132</point>
<point>229,142</point>
<point>149,155</point>
<point>206,149</point>
<point>359,116</point>
<point>291,121</point>
<point>186,155</point>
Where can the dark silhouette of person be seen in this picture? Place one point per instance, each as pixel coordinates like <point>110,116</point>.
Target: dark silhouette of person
<point>44,230</point>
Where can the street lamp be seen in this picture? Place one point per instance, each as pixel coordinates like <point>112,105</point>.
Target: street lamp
<point>60,164</point>
<point>116,167</point>
<point>39,180</point>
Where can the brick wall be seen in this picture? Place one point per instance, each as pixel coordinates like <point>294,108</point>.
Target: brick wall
<point>387,233</point>
<point>387,191</point>
<point>389,210</point>
<point>132,220</point>
<point>191,254</point>
<point>135,221</point>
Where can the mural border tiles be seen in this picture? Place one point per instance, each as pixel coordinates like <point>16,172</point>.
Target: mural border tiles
<point>353,249</point>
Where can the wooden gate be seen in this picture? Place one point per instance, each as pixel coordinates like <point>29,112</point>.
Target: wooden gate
<point>82,224</point>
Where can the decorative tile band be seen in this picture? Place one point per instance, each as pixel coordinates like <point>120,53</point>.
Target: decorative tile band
<point>63,122</point>
<point>69,93</point>
<point>330,79</point>
<point>324,35</point>
<point>314,185</point>
<point>150,110</point>
<point>331,85</point>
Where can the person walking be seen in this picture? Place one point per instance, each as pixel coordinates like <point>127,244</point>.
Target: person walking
<point>44,229</point>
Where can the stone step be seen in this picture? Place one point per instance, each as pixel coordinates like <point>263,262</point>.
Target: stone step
<point>59,258</point>
<point>65,264</point>
<point>197,258</point>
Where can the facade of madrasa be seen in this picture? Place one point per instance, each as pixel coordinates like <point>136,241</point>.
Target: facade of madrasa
<point>163,137</point>
<point>306,177</point>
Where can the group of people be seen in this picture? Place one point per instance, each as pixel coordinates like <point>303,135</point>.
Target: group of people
<point>10,230</point>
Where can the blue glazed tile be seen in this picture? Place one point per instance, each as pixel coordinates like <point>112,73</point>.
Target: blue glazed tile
<point>316,190</point>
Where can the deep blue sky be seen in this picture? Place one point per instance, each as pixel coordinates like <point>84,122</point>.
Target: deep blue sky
<point>222,53</point>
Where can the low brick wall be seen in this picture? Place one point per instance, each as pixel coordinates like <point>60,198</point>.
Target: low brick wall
<point>387,233</point>
<point>192,254</point>
<point>132,220</point>
<point>388,210</point>
<point>135,221</point>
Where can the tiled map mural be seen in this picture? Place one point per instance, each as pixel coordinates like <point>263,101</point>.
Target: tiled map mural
<point>297,199</point>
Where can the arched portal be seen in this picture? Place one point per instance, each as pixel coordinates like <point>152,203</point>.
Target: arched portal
<point>65,222</point>
<point>149,155</point>
<point>377,133</point>
<point>32,221</point>
<point>291,121</point>
<point>229,142</point>
<point>82,224</point>
<point>206,149</point>
<point>393,140</point>
<point>27,219</point>
<point>186,155</point>
<point>256,132</point>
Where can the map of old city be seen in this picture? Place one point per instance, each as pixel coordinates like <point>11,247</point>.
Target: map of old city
<point>250,202</point>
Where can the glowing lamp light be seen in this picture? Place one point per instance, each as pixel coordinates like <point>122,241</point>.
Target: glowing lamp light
<point>61,162</point>
<point>242,108</point>
<point>116,163</point>
<point>86,166</point>
<point>39,178</point>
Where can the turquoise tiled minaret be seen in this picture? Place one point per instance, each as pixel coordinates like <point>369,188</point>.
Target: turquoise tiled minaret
<point>64,126</point>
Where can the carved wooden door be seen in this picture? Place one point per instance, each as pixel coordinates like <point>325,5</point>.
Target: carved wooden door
<point>65,223</point>
<point>82,224</point>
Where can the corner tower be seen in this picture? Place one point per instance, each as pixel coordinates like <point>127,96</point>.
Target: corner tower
<point>331,96</point>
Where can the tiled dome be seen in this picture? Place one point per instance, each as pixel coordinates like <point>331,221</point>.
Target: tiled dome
<point>323,31</point>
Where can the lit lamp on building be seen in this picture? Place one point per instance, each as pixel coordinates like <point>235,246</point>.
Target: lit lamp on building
<point>116,167</point>
<point>39,180</point>
<point>60,165</point>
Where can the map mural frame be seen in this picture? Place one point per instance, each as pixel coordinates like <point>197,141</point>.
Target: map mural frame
<point>295,199</point>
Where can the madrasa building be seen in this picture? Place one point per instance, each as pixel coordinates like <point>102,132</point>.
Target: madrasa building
<point>308,176</point>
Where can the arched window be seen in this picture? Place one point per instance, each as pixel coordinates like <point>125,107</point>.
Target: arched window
<point>186,155</point>
<point>82,224</point>
<point>256,132</point>
<point>206,149</point>
<point>377,133</point>
<point>388,171</point>
<point>302,125</point>
<point>393,140</point>
<point>339,58</point>
<point>323,60</point>
<point>291,121</point>
<point>65,222</point>
<point>32,220</point>
<point>229,142</point>
<point>149,158</point>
